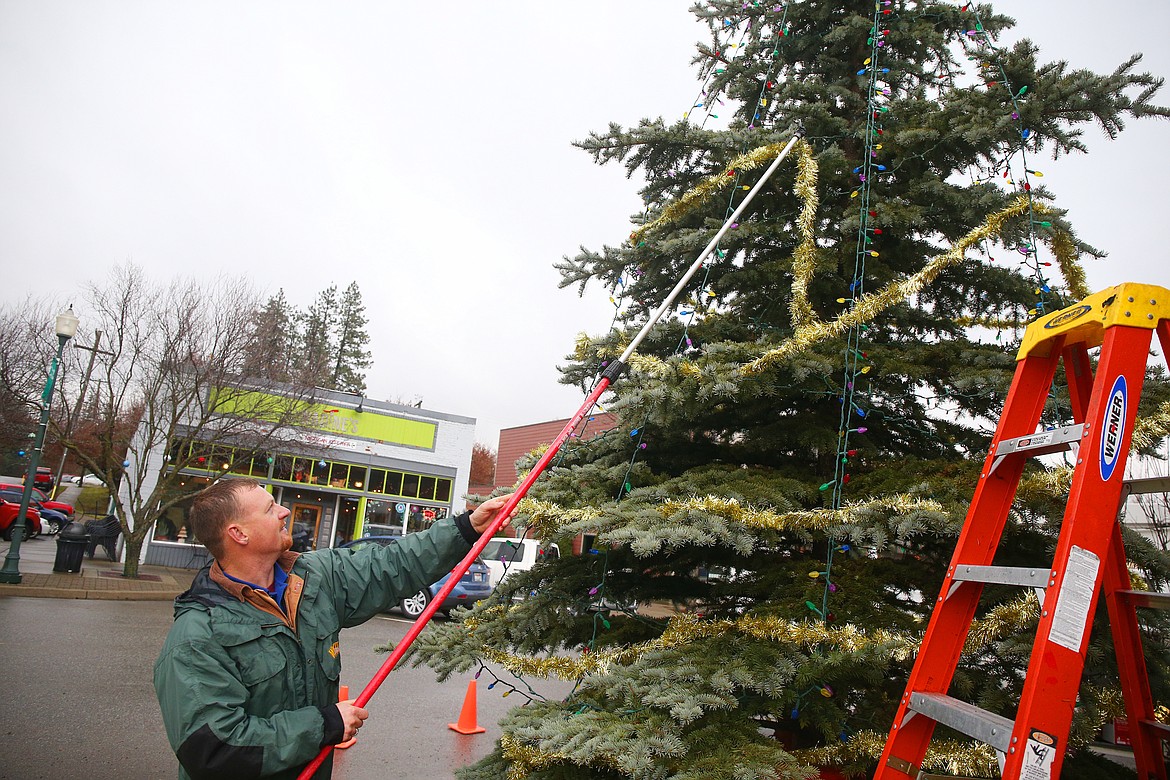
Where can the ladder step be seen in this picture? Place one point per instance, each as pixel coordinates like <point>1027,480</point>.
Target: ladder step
<point>1055,440</point>
<point>1146,598</point>
<point>987,727</point>
<point>1158,729</point>
<point>1024,576</point>
<point>1145,485</point>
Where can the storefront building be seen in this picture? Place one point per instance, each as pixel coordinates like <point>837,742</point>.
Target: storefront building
<point>357,467</point>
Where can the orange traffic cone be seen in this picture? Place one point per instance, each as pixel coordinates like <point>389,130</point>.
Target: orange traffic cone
<point>467,724</point>
<point>342,695</point>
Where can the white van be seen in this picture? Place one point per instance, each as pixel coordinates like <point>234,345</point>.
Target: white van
<point>505,556</point>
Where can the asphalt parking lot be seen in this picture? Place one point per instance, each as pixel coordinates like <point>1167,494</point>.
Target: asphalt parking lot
<point>79,703</point>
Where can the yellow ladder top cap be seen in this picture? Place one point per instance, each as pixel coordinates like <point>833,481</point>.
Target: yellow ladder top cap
<point>1132,304</point>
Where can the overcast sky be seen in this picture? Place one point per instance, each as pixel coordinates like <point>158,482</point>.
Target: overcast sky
<point>425,154</point>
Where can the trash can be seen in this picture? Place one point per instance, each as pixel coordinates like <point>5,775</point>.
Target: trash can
<point>71,544</point>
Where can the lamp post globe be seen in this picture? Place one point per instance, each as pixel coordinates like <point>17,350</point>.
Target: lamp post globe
<point>66,328</point>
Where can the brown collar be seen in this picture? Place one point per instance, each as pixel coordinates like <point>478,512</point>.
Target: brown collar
<point>261,599</point>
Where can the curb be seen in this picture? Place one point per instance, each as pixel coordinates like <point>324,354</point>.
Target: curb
<point>84,593</point>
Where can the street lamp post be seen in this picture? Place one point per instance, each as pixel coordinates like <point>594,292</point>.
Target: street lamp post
<point>94,351</point>
<point>66,329</point>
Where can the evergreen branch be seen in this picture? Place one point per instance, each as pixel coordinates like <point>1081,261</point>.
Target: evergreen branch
<point>1148,430</point>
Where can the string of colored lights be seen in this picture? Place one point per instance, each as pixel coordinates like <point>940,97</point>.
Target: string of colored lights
<point>856,365</point>
<point>990,63</point>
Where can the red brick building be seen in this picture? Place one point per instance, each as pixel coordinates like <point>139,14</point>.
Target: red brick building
<point>516,442</point>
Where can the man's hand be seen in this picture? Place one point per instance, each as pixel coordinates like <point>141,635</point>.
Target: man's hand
<point>352,717</point>
<point>483,515</point>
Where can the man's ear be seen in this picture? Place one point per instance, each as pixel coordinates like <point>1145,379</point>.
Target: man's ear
<point>236,534</point>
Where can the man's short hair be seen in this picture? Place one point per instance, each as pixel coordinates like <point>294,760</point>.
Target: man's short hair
<point>214,507</point>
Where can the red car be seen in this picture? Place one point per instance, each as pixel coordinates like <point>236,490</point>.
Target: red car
<point>8,512</point>
<point>39,496</point>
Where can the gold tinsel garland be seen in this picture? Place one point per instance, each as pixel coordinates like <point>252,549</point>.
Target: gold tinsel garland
<point>1003,621</point>
<point>549,516</point>
<point>1007,619</point>
<point>813,519</point>
<point>710,186</point>
<point>866,308</point>
<point>969,759</point>
<point>804,259</point>
<point>1149,429</point>
<point>1066,255</point>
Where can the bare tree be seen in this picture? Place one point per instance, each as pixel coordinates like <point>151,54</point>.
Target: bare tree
<point>1154,506</point>
<point>27,345</point>
<point>175,379</point>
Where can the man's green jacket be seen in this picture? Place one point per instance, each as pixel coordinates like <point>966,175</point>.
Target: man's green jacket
<point>249,693</point>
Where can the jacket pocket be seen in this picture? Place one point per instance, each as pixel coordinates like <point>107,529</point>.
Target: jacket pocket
<point>262,668</point>
<point>329,656</point>
<point>258,662</point>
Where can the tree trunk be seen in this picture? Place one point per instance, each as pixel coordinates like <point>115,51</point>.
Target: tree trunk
<point>133,551</point>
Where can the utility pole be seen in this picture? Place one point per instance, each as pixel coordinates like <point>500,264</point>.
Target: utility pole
<point>93,353</point>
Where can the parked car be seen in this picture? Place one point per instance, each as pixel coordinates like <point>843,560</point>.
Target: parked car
<point>88,480</point>
<point>505,556</point>
<point>302,537</point>
<point>472,586</point>
<point>42,499</point>
<point>52,521</point>
<point>8,513</point>
<point>43,479</point>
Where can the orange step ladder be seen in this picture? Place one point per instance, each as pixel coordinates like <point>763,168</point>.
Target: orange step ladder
<point>1089,555</point>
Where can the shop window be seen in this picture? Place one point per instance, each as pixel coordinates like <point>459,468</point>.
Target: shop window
<point>338,475</point>
<point>409,485</point>
<point>443,490</point>
<point>282,468</point>
<point>302,469</point>
<point>260,463</point>
<point>393,483</point>
<point>426,488</point>
<point>346,520</point>
<point>382,519</point>
<point>357,477</point>
<point>421,517</point>
<point>201,455</point>
<point>377,481</point>
<point>221,458</point>
<point>241,462</point>
<point>172,524</point>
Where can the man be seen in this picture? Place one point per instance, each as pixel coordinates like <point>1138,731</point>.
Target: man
<point>248,676</point>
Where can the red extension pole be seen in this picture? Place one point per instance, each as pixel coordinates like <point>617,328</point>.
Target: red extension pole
<point>611,373</point>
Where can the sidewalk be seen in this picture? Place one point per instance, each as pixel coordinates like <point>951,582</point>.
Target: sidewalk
<point>98,579</point>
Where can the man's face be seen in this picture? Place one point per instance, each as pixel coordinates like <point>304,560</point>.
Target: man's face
<point>264,521</point>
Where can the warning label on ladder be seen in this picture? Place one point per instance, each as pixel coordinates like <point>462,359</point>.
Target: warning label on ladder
<point>1076,595</point>
<point>1039,755</point>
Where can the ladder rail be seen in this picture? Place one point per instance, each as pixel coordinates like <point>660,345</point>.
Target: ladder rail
<point>1089,560</point>
<point>946,633</point>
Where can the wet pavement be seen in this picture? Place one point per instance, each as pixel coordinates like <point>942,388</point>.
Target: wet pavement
<point>79,702</point>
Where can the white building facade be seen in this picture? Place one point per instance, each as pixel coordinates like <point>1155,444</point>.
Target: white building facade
<point>352,467</point>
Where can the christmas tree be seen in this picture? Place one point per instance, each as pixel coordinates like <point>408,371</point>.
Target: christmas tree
<point>765,534</point>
